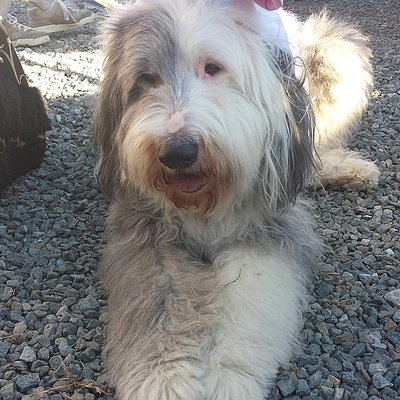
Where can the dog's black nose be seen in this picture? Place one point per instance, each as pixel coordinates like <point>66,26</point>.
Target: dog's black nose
<point>181,155</point>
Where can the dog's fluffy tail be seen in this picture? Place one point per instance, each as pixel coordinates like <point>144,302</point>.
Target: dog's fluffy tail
<point>339,76</point>
<point>339,79</point>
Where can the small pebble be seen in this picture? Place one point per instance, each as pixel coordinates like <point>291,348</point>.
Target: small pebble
<point>28,354</point>
<point>393,297</point>
<point>27,382</point>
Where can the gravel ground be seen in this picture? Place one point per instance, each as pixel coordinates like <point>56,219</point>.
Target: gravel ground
<point>52,222</point>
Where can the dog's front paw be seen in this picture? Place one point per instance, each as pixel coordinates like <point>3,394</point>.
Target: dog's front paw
<point>165,384</point>
<point>233,383</point>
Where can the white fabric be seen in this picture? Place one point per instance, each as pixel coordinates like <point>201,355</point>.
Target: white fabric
<point>270,23</point>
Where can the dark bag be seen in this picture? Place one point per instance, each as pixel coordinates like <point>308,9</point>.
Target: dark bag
<point>23,118</point>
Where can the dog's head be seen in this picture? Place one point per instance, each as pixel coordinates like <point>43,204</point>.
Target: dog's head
<point>194,110</point>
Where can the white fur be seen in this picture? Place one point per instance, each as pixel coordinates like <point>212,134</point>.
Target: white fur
<point>260,309</point>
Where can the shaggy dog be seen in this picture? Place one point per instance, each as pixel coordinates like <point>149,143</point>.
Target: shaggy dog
<point>205,134</point>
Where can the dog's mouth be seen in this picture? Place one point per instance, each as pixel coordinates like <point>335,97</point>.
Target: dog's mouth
<point>186,183</point>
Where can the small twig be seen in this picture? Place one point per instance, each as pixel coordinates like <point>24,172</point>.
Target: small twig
<point>71,382</point>
<point>235,280</point>
<point>16,339</point>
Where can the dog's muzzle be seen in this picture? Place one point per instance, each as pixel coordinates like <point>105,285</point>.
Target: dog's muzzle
<point>180,164</point>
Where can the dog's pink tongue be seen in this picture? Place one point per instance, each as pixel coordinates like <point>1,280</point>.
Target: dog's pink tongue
<point>270,4</point>
<point>188,184</point>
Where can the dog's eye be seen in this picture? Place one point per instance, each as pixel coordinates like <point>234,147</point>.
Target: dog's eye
<point>212,69</point>
<point>150,80</point>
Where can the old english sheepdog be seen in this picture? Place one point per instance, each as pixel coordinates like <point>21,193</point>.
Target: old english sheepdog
<point>209,118</point>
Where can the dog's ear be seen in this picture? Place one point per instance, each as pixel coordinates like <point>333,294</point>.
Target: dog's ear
<point>107,118</point>
<point>114,96</point>
<point>288,160</point>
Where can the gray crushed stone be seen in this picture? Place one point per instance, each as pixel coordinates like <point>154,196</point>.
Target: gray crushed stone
<point>52,221</point>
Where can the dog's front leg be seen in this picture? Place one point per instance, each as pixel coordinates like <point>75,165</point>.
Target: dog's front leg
<point>161,313</point>
<point>260,317</point>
